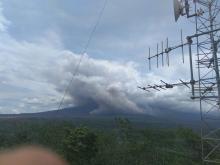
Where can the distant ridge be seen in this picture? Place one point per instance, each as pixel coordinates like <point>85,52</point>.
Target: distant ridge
<point>85,111</point>
<point>63,113</point>
<point>161,118</point>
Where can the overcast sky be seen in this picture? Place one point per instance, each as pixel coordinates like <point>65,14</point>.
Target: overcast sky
<point>41,42</point>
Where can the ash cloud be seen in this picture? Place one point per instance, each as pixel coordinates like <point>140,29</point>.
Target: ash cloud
<point>34,75</point>
<point>108,85</point>
<point>112,87</point>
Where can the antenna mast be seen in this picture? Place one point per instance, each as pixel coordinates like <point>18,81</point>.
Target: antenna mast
<point>204,46</point>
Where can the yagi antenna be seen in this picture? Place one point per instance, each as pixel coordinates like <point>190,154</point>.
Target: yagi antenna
<point>204,47</point>
<point>178,9</point>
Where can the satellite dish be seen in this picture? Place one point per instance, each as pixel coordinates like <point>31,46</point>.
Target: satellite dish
<point>178,9</point>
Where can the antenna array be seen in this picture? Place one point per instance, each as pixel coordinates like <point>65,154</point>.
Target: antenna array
<point>164,52</point>
<point>204,45</point>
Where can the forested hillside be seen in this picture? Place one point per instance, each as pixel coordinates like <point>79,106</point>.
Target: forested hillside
<point>124,144</point>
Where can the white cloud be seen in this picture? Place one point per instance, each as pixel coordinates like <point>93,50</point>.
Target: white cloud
<point>3,21</point>
<point>35,75</point>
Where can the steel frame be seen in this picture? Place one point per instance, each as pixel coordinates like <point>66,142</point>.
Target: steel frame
<point>208,92</point>
<point>204,46</point>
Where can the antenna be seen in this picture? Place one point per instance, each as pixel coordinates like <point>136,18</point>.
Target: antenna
<point>167,51</point>
<point>178,9</point>
<point>180,5</point>
<point>157,55</point>
<point>149,60</point>
<point>204,46</point>
<point>162,53</point>
<point>182,45</point>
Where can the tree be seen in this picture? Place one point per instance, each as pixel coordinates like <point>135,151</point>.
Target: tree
<point>124,128</point>
<point>80,145</point>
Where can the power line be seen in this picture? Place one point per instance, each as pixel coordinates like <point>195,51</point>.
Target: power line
<point>76,70</point>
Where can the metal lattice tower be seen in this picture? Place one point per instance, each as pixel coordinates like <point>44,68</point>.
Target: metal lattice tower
<point>207,40</point>
<point>204,47</point>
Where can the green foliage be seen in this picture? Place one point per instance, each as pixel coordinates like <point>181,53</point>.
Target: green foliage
<point>80,145</point>
<point>123,145</point>
<point>124,129</point>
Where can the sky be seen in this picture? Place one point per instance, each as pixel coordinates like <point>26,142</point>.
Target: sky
<point>41,44</point>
